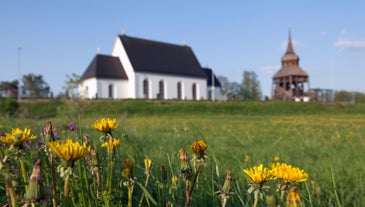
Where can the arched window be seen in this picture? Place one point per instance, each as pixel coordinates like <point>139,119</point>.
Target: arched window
<point>194,91</point>
<point>145,89</point>
<point>110,91</point>
<point>179,91</point>
<point>161,90</point>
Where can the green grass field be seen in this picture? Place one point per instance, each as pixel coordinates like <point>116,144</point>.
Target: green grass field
<point>327,141</point>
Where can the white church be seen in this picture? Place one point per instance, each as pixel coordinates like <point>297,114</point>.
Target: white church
<point>144,69</point>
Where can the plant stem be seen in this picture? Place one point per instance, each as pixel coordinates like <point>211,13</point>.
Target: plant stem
<point>110,171</point>
<point>187,193</point>
<point>65,186</point>
<point>24,173</point>
<point>10,192</point>
<point>143,194</point>
<point>224,202</point>
<point>130,192</point>
<point>256,195</point>
<point>54,189</point>
<point>281,201</point>
<point>195,178</point>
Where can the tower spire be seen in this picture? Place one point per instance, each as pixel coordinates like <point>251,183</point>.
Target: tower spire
<point>289,49</point>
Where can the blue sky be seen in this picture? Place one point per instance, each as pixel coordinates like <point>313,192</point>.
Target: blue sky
<point>62,37</point>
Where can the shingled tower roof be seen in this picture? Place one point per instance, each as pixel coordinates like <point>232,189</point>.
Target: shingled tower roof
<point>290,63</point>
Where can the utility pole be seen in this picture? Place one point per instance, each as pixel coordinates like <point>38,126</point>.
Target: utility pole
<point>19,74</point>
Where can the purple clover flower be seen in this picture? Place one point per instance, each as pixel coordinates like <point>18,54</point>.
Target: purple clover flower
<point>72,127</point>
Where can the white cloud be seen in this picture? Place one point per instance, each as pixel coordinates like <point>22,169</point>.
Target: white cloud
<point>349,44</point>
<point>269,69</point>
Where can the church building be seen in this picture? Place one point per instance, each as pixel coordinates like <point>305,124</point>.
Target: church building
<point>145,69</point>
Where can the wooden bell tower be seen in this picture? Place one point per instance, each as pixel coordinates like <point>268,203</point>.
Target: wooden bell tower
<point>291,82</point>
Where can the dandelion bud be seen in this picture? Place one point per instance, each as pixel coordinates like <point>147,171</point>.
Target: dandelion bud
<point>270,200</point>
<point>174,180</point>
<point>48,132</point>
<point>147,164</point>
<point>185,167</point>
<point>34,191</point>
<point>227,182</point>
<point>293,199</point>
<point>127,168</point>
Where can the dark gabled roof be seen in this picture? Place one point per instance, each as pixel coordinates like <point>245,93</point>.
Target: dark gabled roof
<point>209,72</point>
<point>163,58</point>
<point>105,66</point>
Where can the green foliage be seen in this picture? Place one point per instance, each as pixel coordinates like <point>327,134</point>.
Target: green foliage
<point>8,106</point>
<point>34,86</point>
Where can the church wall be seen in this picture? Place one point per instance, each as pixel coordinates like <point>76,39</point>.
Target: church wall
<point>119,51</point>
<point>170,86</point>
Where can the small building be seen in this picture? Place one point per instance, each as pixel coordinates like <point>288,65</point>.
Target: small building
<point>145,69</point>
<point>291,82</point>
<point>213,85</point>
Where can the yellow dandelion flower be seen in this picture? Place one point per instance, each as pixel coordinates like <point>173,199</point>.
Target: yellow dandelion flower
<point>68,150</point>
<point>105,125</point>
<point>17,137</point>
<point>111,144</point>
<point>199,147</point>
<point>288,173</point>
<point>258,174</point>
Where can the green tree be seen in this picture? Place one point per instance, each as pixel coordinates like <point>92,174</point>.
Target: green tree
<point>224,84</point>
<point>34,86</point>
<point>251,85</point>
<point>71,84</point>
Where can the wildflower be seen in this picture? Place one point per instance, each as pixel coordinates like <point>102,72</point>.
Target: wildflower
<point>287,173</point>
<point>111,144</point>
<point>199,147</point>
<point>72,127</point>
<point>34,192</point>
<point>17,137</point>
<point>68,151</point>
<point>258,174</point>
<point>105,125</point>
<point>293,198</point>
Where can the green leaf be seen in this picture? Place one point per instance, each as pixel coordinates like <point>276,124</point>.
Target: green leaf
<point>147,194</point>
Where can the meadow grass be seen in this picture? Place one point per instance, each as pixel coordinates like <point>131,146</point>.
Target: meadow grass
<point>327,141</point>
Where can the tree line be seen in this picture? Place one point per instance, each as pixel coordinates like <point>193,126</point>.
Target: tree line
<point>34,86</point>
<point>248,89</point>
